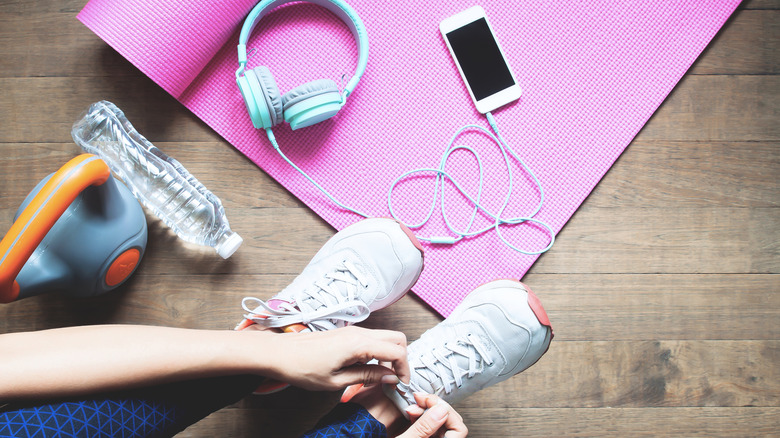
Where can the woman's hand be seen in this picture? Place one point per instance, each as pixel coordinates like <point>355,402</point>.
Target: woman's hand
<point>433,417</point>
<point>334,359</point>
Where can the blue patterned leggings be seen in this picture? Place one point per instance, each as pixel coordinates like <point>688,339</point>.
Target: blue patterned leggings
<point>162,411</point>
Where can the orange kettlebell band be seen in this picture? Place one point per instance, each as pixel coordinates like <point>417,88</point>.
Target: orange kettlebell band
<point>40,215</point>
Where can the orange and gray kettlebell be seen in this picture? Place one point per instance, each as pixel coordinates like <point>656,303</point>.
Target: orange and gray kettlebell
<point>80,232</point>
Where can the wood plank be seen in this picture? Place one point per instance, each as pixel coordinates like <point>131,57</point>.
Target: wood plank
<point>679,174</point>
<point>227,173</point>
<point>608,241</point>
<point>32,7</point>
<point>711,422</point>
<point>644,374</point>
<point>760,4</point>
<point>681,241</point>
<point>749,43</point>
<point>629,240</point>
<point>263,251</point>
<point>676,174</point>
<point>658,240</point>
<point>677,239</point>
<point>512,422</point>
<point>581,307</point>
<point>692,174</point>
<point>718,108</point>
<point>702,108</point>
<point>26,121</point>
<point>48,44</point>
<point>671,307</point>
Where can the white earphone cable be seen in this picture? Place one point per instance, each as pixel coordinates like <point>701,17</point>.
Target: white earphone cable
<point>441,173</point>
<point>498,218</point>
<point>272,138</point>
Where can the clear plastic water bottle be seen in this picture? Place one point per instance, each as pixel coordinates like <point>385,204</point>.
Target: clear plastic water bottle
<point>161,183</point>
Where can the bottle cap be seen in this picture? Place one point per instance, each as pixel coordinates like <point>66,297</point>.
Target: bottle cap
<point>229,245</point>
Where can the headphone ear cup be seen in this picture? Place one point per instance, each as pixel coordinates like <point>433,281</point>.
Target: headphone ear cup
<point>261,97</point>
<point>271,95</point>
<point>250,91</point>
<point>311,103</point>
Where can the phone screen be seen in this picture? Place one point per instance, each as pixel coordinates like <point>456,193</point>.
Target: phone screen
<point>480,59</point>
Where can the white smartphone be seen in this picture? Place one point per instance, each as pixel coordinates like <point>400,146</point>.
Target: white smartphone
<point>479,59</point>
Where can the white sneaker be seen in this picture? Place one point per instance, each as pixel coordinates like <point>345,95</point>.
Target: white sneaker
<point>499,330</point>
<point>362,268</point>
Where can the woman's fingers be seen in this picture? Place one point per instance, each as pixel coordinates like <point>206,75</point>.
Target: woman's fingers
<point>414,412</point>
<point>429,423</point>
<point>365,374</point>
<point>429,411</point>
<point>390,347</point>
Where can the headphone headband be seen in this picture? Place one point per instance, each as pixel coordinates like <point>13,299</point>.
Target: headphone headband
<point>338,7</point>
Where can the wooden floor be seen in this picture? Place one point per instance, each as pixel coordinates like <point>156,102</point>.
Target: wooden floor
<point>664,288</point>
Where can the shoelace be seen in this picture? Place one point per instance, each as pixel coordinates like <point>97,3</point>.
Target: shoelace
<point>324,306</point>
<point>441,364</point>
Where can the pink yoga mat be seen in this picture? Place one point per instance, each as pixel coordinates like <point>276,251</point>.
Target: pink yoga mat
<point>592,74</point>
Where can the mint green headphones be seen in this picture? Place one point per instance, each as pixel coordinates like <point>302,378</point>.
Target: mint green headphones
<point>305,104</point>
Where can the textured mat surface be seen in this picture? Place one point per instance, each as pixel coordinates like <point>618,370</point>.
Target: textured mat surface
<point>592,74</point>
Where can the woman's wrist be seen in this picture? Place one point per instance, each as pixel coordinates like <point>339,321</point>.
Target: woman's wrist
<point>252,352</point>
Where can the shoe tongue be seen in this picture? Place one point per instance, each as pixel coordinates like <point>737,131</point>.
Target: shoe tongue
<point>430,376</point>
<point>477,331</point>
<point>324,298</point>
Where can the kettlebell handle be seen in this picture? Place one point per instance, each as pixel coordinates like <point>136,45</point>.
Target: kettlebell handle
<point>40,215</point>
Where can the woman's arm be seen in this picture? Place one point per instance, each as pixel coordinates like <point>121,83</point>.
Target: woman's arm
<point>79,360</point>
